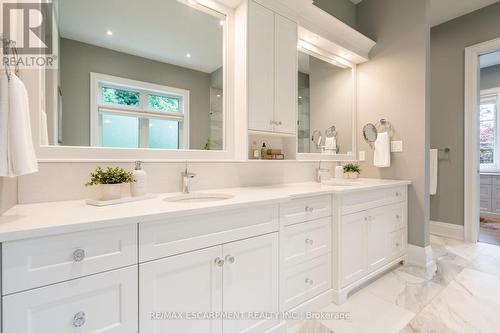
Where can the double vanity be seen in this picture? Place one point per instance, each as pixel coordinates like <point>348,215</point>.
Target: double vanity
<point>231,260</point>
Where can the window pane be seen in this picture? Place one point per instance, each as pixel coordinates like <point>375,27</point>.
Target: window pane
<point>487,131</point>
<point>487,111</point>
<point>163,134</point>
<point>163,103</point>
<point>120,96</point>
<point>120,131</point>
<point>486,156</point>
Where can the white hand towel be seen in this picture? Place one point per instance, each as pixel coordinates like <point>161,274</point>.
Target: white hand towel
<point>44,133</point>
<point>4,124</point>
<point>433,168</point>
<point>21,153</point>
<point>331,145</point>
<point>382,154</point>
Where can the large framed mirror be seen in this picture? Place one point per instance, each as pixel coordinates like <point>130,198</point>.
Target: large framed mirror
<point>326,106</point>
<point>139,75</point>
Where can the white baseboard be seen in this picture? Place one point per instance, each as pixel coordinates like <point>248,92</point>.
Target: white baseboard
<point>448,230</point>
<point>420,257</point>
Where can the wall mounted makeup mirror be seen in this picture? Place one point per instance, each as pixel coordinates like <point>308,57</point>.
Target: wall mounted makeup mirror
<point>143,74</point>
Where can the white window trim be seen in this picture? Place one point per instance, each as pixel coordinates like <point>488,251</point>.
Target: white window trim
<point>484,95</point>
<point>97,80</point>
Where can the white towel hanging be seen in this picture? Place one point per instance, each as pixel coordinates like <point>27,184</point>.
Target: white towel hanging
<point>433,169</point>
<point>382,153</point>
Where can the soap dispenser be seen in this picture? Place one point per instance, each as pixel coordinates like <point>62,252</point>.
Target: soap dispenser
<point>139,185</point>
<point>263,152</point>
<point>339,171</point>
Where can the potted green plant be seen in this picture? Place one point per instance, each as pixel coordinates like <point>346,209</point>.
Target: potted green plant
<point>110,181</point>
<point>352,170</point>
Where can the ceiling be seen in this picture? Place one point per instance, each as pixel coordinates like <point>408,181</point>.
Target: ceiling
<point>445,10</point>
<point>490,59</point>
<point>162,30</point>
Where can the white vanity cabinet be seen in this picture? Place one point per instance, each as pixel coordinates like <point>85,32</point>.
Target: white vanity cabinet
<point>236,277</point>
<point>370,235</point>
<point>272,71</point>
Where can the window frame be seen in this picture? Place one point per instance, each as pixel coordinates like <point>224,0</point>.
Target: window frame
<point>143,112</point>
<point>486,95</point>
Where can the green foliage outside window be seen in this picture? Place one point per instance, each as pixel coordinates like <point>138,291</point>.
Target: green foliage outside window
<point>163,103</point>
<point>119,96</point>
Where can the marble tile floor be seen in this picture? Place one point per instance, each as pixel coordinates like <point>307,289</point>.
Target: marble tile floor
<point>462,296</point>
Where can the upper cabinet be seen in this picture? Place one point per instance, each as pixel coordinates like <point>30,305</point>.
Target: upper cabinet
<point>272,66</point>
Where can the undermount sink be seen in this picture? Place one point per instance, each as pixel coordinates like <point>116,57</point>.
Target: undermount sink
<point>339,182</point>
<point>199,197</point>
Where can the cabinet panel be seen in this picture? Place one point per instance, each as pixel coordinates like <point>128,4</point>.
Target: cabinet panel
<point>353,240</point>
<point>305,241</point>
<point>260,67</point>
<point>378,227</point>
<point>251,281</point>
<point>190,282</point>
<point>285,109</point>
<point>397,243</point>
<point>307,209</point>
<point>42,261</point>
<point>105,302</point>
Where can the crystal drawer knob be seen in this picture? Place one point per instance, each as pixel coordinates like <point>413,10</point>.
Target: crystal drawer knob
<point>309,209</point>
<point>230,259</point>
<point>219,262</point>
<point>79,319</point>
<point>309,241</point>
<point>309,281</point>
<point>397,194</point>
<point>79,255</point>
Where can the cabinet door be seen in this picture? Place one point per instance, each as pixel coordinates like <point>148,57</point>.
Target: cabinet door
<point>353,237</point>
<point>378,229</point>
<point>190,282</point>
<point>285,107</point>
<point>105,303</point>
<point>260,68</point>
<point>251,281</point>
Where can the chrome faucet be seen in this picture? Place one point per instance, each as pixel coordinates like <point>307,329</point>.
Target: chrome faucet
<point>186,176</point>
<point>319,170</point>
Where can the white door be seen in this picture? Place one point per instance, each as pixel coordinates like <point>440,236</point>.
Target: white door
<point>105,302</point>
<point>260,68</point>
<point>251,281</point>
<point>353,237</point>
<point>285,107</point>
<point>190,282</point>
<point>379,225</point>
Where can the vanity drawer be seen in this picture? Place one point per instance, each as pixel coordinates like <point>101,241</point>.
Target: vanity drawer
<point>358,201</point>
<point>305,241</point>
<point>105,302</point>
<point>397,243</point>
<point>396,216</point>
<point>183,234</point>
<point>41,261</point>
<point>303,282</point>
<point>306,209</point>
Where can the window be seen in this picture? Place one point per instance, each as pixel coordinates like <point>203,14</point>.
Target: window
<point>133,114</point>
<point>489,147</point>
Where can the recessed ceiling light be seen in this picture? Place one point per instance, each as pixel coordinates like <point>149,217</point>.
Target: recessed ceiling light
<point>109,33</point>
<point>193,2</point>
<point>188,55</point>
<point>312,39</point>
<point>347,55</point>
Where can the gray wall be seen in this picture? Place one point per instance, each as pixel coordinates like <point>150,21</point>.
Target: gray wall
<point>8,193</point>
<point>448,42</point>
<point>394,85</point>
<point>344,10</point>
<point>490,77</point>
<point>79,59</point>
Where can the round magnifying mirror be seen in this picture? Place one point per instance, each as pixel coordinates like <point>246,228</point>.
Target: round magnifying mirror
<point>370,133</point>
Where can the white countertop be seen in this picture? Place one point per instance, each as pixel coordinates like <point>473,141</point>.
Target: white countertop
<point>43,219</point>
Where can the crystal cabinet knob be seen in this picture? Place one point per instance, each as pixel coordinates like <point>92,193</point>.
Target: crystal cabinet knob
<point>79,255</point>
<point>309,241</point>
<point>309,281</point>
<point>219,262</point>
<point>309,209</point>
<point>79,319</point>
<point>230,259</point>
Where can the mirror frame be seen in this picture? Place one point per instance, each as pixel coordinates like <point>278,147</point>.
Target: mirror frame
<point>316,52</point>
<point>35,84</point>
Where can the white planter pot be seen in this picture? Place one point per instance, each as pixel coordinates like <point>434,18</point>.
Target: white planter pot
<point>110,191</point>
<point>352,175</point>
